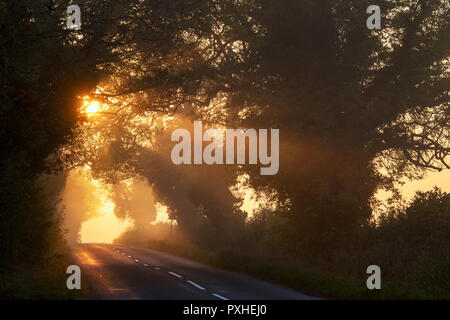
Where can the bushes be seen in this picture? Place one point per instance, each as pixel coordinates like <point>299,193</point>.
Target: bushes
<point>36,261</point>
<point>411,246</point>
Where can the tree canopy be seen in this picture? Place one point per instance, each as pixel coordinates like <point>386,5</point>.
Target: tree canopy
<point>348,101</point>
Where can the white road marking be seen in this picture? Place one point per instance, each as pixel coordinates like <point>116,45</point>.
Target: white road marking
<point>219,296</point>
<point>156,268</point>
<point>195,285</point>
<point>175,274</point>
<point>136,260</point>
<point>129,256</point>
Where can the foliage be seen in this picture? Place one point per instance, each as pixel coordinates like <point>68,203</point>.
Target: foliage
<point>411,248</point>
<point>348,101</point>
<point>37,110</point>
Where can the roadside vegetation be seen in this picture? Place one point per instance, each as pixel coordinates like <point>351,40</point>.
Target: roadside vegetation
<point>40,265</point>
<point>411,245</point>
<point>37,112</point>
<point>40,282</point>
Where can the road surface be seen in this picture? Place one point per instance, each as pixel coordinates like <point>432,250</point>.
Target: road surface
<point>119,272</point>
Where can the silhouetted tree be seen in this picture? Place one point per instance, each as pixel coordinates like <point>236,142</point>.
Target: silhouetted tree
<point>42,71</point>
<point>344,97</point>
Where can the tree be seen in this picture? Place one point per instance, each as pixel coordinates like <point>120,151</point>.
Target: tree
<point>41,74</point>
<point>345,98</point>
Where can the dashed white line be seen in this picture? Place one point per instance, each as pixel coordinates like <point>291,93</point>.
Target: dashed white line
<point>175,274</point>
<point>195,285</point>
<point>178,276</point>
<point>219,296</point>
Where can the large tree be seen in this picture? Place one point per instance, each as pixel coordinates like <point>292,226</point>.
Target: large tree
<point>43,69</point>
<point>346,99</point>
<point>344,96</point>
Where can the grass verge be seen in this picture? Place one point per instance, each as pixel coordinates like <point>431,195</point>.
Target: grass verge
<point>40,282</point>
<point>305,280</point>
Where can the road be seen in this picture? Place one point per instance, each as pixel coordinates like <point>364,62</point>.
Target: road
<point>119,272</point>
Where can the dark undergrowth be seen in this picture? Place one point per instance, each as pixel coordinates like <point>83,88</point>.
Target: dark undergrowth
<point>410,245</point>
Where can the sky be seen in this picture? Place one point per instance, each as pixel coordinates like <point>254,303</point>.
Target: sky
<point>105,227</point>
<point>440,179</point>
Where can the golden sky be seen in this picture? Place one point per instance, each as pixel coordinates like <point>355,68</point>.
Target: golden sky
<point>440,179</point>
<point>105,227</point>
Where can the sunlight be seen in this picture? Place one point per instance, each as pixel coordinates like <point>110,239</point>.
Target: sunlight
<point>88,210</point>
<point>162,215</point>
<point>105,227</point>
<point>410,187</point>
<point>92,107</point>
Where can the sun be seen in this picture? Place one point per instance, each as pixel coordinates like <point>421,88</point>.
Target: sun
<point>92,107</point>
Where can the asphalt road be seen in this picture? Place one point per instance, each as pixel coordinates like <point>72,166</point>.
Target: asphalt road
<point>119,272</point>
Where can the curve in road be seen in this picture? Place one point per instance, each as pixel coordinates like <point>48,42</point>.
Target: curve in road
<point>120,272</point>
